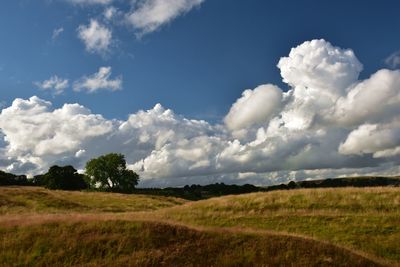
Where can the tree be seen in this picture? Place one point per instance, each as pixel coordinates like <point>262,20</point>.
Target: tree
<point>108,172</point>
<point>39,180</point>
<point>12,179</point>
<point>64,178</point>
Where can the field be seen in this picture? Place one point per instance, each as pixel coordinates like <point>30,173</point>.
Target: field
<point>305,227</point>
<point>23,200</point>
<point>366,220</point>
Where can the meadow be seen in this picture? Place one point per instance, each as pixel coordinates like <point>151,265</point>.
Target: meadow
<point>23,200</point>
<point>362,219</point>
<point>303,227</point>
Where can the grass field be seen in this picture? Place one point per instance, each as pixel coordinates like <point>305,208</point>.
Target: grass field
<point>152,244</point>
<point>14,200</point>
<point>306,227</point>
<point>364,219</point>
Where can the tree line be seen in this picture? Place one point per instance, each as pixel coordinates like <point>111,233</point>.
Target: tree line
<point>109,173</point>
<point>105,173</point>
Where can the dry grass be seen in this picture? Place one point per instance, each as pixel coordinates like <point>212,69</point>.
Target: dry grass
<point>315,224</point>
<point>22,200</point>
<point>363,219</point>
<point>121,243</point>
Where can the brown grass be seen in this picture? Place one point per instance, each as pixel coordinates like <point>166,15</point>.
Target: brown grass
<point>22,200</point>
<point>359,225</point>
<point>361,219</point>
<point>121,243</point>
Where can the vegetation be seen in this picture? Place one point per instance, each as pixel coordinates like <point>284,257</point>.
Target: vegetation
<point>12,179</point>
<point>198,192</point>
<point>105,173</point>
<point>367,181</point>
<point>36,200</point>
<point>64,178</point>
<point>119,243</point>
<point>108,172</point>
<point>363,219</point>
<point>314,226</point>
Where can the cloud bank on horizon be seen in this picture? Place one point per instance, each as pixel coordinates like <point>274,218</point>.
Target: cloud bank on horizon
<point>328,123</point>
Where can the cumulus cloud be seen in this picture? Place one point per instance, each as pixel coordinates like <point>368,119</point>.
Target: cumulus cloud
<point>55,84</point>
<point>381,140</point>
<point>98,82</point>
<point>39,135</point>
<point>329,123</point>
<point>255,106</point>
<point>376,99</point>
<point>317,64</point>
<point>310,127</point>
<point>35,132</point>
<point>96,37</point>
<point>153,14</point>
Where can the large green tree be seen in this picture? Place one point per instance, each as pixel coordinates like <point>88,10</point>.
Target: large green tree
<point>108,172</point>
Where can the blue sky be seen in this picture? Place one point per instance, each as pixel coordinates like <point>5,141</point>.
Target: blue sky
<point>198,64</point>
<point>196,58</point>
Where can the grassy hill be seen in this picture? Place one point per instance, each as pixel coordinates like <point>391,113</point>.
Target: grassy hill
<point>121,243</point>
<point>308,227</point>
<point>39,200</point>
<point>363,219</point>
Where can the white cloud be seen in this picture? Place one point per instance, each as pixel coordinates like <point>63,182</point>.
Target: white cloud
<point>381,140</point>
<point>393,60</point>
<point>39,135</point>
<point>99,81</point>
<point>57,33</point>
<point>153,14</point>
<point>110,13</point>
<point>255,106</point>
<point>143,16</point>
<point>376,99</point>
<point>55,84</point>
<point>329,123</point>
<point>317,64</point>
<point>90,2</point>
<point>96,37</point>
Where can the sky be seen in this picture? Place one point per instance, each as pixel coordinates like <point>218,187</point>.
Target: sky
<point>202,91</point>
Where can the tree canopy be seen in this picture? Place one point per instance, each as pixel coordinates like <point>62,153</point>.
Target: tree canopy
<point>109,172</point>
<point>64,178</point>
<point>12,179</point>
